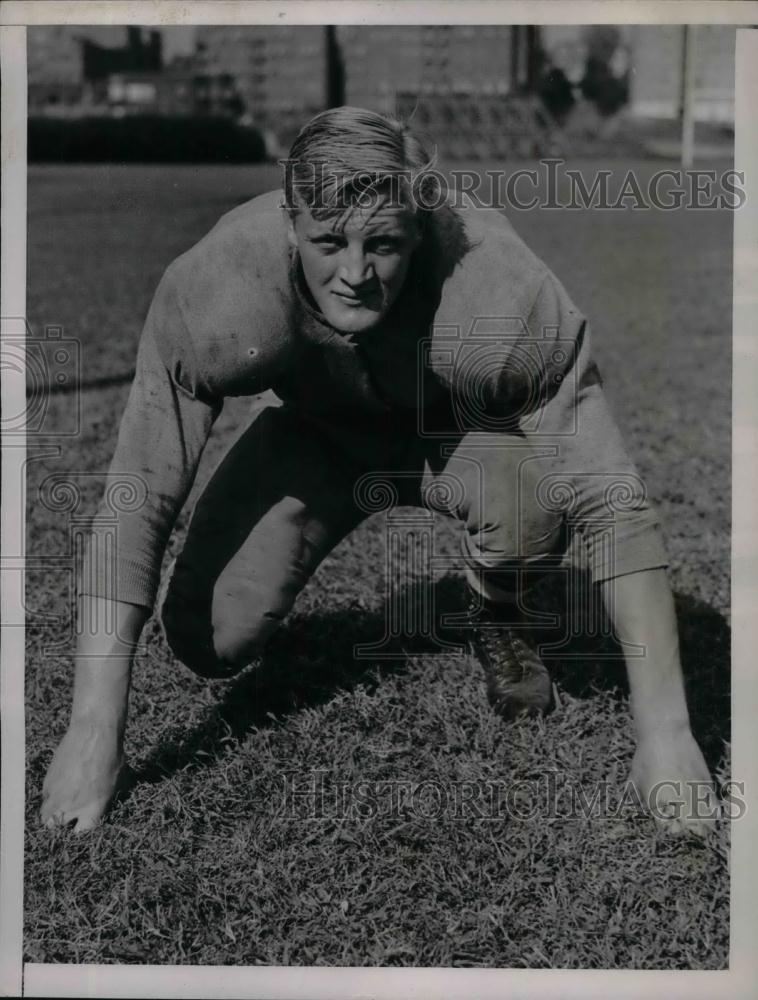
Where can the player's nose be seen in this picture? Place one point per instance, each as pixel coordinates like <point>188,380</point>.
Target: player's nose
<point>355,267</point>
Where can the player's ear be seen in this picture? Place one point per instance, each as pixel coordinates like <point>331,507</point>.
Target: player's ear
<point>419,228</point>
<point>291,234</point>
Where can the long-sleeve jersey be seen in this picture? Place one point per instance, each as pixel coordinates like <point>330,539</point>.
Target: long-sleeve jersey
<point>480,322</point>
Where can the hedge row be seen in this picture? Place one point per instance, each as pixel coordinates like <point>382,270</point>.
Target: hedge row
<point>148,139</point>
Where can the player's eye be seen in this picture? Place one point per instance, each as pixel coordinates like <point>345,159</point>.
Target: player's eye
<point>386,246</point>
<point>328,243</point>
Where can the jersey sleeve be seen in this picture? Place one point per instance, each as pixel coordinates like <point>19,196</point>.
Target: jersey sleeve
<point>593,480</point>
<point>167,421</point>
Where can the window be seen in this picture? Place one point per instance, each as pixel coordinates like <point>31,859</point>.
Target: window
<point>139,92</point>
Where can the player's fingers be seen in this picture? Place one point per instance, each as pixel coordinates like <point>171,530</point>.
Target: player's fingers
<point>46,787</point>
<point>676,824</point>
<point>47,811</point>
<point>699,829</point>
<point>702,813</point>
<point>58,817</point>
<point>664,811</point>
<point>89,817</point>
<point>672,825</point>
<point>668,817</point>
<point>704,825</point>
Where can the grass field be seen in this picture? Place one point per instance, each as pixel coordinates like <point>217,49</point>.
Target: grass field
<point>202,861</point>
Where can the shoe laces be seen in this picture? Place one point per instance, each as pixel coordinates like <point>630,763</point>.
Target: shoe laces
<point>488,616</point>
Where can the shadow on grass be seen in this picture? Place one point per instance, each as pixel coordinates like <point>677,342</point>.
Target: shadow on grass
<point>706,647</point>
<point>589,658</point>
<point>313,657</point>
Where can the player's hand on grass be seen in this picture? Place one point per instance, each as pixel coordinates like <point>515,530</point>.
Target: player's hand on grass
<point>83,777</point>
<point>671,776</point>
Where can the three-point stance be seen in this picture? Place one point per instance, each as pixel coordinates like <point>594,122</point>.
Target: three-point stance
<point>404,334</point>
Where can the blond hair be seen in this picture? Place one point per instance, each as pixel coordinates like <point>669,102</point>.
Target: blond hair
<point>347,157</point>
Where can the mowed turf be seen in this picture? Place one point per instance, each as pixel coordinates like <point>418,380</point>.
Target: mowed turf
<point>208,858</point>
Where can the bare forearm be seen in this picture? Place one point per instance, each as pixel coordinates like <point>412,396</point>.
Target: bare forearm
<point>668,768</point>
<point>83,775</point>
<point>641,607</point>
<point>109,632</point>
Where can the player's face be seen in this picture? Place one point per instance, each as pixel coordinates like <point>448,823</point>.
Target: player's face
<point>355,269</point>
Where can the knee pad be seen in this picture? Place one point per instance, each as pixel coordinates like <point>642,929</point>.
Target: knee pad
<point>504,544</point>
<point>188,628</point>
<point>237,643</point>
<point>505,560</point>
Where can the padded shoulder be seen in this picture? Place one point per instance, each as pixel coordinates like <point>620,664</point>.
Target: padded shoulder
<point>506,334</point>
<point>491,273</point>
<point>223,312</point>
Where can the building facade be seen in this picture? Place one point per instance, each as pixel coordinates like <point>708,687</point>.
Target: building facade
<point>426,60</point>
<point>182,90</point>
<point>658,64</point>
<point>54,68</point>
<point>457,80</point>
<point>281,72</point>
<point>435,73</point>
<point>68,67</point>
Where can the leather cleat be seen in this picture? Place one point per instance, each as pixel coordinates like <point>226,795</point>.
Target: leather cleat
<point>518,683</point>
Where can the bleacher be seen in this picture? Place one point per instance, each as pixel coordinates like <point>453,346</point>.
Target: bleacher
<point>470,126</point>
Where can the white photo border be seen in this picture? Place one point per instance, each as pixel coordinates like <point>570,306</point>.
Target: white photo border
<point>741,979</point>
